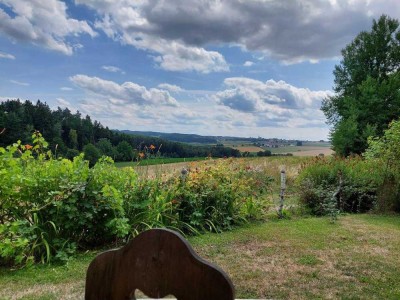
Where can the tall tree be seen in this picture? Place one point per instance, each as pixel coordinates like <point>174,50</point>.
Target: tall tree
<point>367,83</point>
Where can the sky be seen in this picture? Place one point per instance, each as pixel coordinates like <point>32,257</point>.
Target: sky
<point>213,67</point>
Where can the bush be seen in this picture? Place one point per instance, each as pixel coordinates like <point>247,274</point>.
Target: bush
<point>218,195</point>
<point>385,151</point>
<point>361,181</point>
<point>50,207</point>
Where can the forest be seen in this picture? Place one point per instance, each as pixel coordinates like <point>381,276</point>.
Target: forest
<point>70,133</point>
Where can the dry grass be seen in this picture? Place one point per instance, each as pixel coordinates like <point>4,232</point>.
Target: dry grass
<point>314,152</point>
<point>309,258</point>
<point>312,259</point>
<point>248,148</point>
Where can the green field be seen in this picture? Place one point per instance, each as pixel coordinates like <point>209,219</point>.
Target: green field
<point>307,258</point>
<point>157,161</point>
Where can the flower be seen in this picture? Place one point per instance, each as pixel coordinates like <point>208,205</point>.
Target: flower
<point>28,147</point>
<point>141,154</point>
<point>152,147</point>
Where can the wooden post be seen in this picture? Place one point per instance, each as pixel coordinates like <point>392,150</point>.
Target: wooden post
<point>282,194</point>
<point>184,173</point>
<point>337,196</point>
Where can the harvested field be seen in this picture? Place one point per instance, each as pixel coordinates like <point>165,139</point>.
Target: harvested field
<point>315,151</point>
<point>248,148</point>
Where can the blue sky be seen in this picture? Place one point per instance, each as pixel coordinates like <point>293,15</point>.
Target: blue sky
<point>212,67</point>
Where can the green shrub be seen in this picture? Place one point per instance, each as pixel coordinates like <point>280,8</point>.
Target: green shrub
<point>217,195</point>
<point>361,181</point>
<point>50,207</point>
<point>38,201</point>
<point>385,151</point>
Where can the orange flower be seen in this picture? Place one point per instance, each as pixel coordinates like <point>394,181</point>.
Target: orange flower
<point>141,154</point>
<point>28,147</point>
<point>152,147</point>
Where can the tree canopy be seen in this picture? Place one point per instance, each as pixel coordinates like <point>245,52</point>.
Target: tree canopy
<point>367,83</point>
<point>68,133</point>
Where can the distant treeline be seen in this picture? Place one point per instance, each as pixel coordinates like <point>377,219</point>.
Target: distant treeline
<point>176,137</point>
<point>70,133</point>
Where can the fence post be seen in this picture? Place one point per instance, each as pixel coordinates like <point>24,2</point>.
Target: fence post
<point>282,194</point>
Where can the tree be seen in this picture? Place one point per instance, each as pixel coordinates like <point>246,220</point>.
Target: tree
<point>91,153</point>
<point>367,83</point>
<point>125,151</point>
<point>73,139</point>
<point>106,148</point>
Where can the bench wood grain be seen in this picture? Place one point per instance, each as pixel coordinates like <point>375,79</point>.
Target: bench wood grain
<point>158,262</point>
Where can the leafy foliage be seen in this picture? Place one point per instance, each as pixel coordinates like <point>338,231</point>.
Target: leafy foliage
<point>386,152</point>
<point>50,207</point>
<point>68,134</point>
<point>320,181</point>
<point>367,83</point>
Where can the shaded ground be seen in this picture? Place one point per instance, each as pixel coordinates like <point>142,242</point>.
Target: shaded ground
<point>309,258</point>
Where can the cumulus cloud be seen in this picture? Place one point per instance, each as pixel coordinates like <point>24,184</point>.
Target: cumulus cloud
<point>6,55</point>
<point>170,87</point>
<point>248,63</point>
<point>123,21</point>
<point>121,94</point>
<point>291,31</point>
<point>249,95</point>
<point>42,22</point>
<point>272,103</point>
<point>113,69</point>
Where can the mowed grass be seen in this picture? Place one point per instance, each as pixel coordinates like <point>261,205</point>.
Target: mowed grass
<point>156,161</point>
<point>307,258</point>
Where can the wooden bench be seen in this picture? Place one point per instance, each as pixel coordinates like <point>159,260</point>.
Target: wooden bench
<point>158,262</point>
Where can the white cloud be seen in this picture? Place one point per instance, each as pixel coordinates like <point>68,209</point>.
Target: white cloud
<point>113,69</point>
<point>6,55</point>
<point>42,22</point>
<point>290,31</point>
<point>66,88</point>
<point>273,104</point>
<point>249,95</point>
<point>3,98</point>
<point>123,22</point>
<point>108,104</point>
<point>63,103</point>
<point>19,82</point>
<point>128,92</point>
<point>248,63</point>
<point>170,87</point>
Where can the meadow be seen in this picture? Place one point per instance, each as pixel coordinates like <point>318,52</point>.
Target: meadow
<point>227,208</point>
<point>358,257</point>
<point>307,149</point>
<point>157,161</point>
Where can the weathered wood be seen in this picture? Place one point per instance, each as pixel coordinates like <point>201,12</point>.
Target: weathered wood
<point>158,262</point>
<point>282,193</point>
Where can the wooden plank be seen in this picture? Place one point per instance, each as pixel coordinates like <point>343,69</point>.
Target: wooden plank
<point>158,262</point>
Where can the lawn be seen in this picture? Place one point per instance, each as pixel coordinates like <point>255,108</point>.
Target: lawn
<point>157,161</point>
<point>305,258</point>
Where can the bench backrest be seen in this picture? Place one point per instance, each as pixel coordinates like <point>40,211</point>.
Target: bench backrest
<point>159,262</point>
